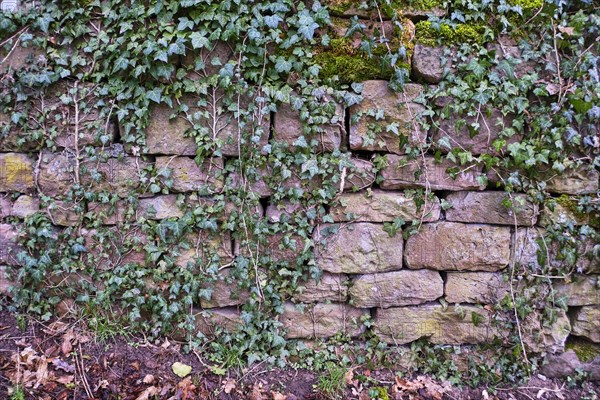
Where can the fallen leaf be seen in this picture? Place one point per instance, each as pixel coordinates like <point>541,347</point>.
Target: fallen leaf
<point>552,88</point>
<point>181,370</point>
<point>65,380</point>
<point>148,379</point>
<point>229,385</point>
<point>348,376</point>
<point>67,345</point>
<point>147,393</point>
<point>278,396</point>
<point>567,30</point>
<point>61,364</point>
<point>41,373</point>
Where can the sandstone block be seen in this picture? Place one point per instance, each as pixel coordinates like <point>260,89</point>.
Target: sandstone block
<point>187,176</point>
<point>427,64</point>
<point>16,173</point>
<point>586,323</point>
<point>476,287</point>
<point>583,290</point>
<point>400,325</point>
<point>580,180</point>
<point>24,206</point>
<point>115,175</point>
<point>112,247</point>
<point>212,322</point>
<point>284,211</point>
<point>456,246</point>
<point>386,120</point>
<point>64,213</point>
<point>56,175</point>
<point>564,210</point>
<point>225,291</point>
<point>202,247</point>
<point>489,208</point>
<point>397,288</point>
<point>568,364</point>
<point>358,248</point>
<point>544,336</point>
<point>330,287</point>
<point>360,174</point>
<point>383,206</point>
<point>9,247</point>
<point>403,173</point>
<point>290,129</point>
<point>322,321</point>
<point>160,207</point>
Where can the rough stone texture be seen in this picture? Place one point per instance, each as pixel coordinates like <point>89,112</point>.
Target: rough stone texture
<point>24,206</point>
<point>209,323</point>
<point>289,128</point>
<point>108,249</point>
<point>583,290</point>
<point>383,206</point>
<point>64,213</point>
<point>187,176</point>
<point>475,287</point>
<point>20,57</point>
<point>547,337</point>
<point>119,176</point>
<point>322,321</point>
<point>5,207</point>
<point>330,287</point>
<point>225,291</point>
<point>16,173</point>
<point>284,211</point>
<point>5,283</point>
<point>482,142</point>
<point>164,136</point>
<point>358,248</point>
<point>360,175</point>
<point>507,49</point>
<point>427,63</point>
<point>586,323</point>
<point>487,208</point>
<point>160,207</point>
<point>403,173</point>
<point>202,246</point>
<point>110,214</point>
<point>568,364</point>
<point>397,108</point>
<point>581,180</point>
<point>281,247</point>
<point>9,248</point>
<point>397,288</point>
<point>566,213</point>
<point>56,175</point>
<point>456,246</point>
<point>400,325</point>
<point>222,51</point>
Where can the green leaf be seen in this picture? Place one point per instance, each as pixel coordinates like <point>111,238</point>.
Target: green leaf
<point>181,370</point>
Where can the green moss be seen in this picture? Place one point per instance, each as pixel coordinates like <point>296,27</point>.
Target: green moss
<point>382,393</point>
<point>586,351</point>
<point>447,35</point>
<point>572,205</point>
<point>527,6</point>
<point>418,5</point>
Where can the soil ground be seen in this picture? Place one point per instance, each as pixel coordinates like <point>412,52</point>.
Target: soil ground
<point>62,360</point>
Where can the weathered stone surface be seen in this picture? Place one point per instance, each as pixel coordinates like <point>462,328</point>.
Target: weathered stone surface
<point>20,57</point>
<point>398,110</point>
<point>397,288</point>
<point>289,129</point>
<point>359,175</point>
<point>113,247</point>
<point>580,180</point>
<point>195,58</point>
<point>456,246</point>
<point>583,290</point>
<point>209,323</point>
<point>563,210</point>
<point>401,325</point>
<point>24,206</point>
<point>64,213</point>
<point>322,320</point>
<point>508,49</point>
<point>16,173</point>
<point>586,323</point>
<point>187,176</point>
<point>488,208</point>
<point>284,211</point>
<point>383,206</point>
<point>110,214</point>
<point>330,287</point>
<point>5,282</point>
<point>490,127</point>
<point>358,248</point>
<point>225,291</point>
<point>5,207</point>
<point>427,63</point>
<point>475,287</point>
<point>546,337</point>
<point>56,175</point>
<point>9,248</point>
<point>119,176</point>
<point>160,207</point>
<point>403,173</point>
<point>202,246</point>
<point>165,136</point>
<point>281,247</point>
<point>568,364</point>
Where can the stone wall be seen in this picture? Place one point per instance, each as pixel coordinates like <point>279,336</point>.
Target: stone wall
<point>438,283</point>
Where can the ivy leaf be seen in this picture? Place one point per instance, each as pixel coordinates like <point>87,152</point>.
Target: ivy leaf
<point>272,21</point>
<point>283,65</point>
<point>199,40</point>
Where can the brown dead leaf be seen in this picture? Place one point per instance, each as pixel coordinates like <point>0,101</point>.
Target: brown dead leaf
<point>348,376</point>
<point>65,380</point>
<point>552,88</point>
<point>567,30</point>
<point>229,385</point>
<point>61,364</point>
<point>147,393</point>
<point>55,328</point>
<point>148,379</point>
<point>68,341</point>
<point>257,392</point>
<point>41,373</point>
<point>278,396</point>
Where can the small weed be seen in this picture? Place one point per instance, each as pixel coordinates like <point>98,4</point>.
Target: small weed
<point>331,384</point>
<point>105,328</point>
<point>18,393</point>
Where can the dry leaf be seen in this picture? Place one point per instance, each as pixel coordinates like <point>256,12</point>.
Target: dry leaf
<point>147,393</point>
<point>278,396</point>
<point>65,380</point>
<point>348,376</point>
<point>552,88</point>
<point>180,369</point>
<point>567,30</point>
<point>67,344</point>
<point>61,364</point>
<point>41,374</point>
<point>229,385</point>
<point>148,379</point>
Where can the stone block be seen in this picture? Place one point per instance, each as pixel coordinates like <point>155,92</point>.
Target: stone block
<point>57,174</point>
<point>580,180</point>
<point>211,322</point>
<point>428,63</point>
<point>586,323</point>
<point>160,207</point>
<point>9,246</point>
<point>203,246</point>
<point>383,206</point>
<point>357,248</point>
<point>115,175</point>
<point>582,290</point>
<point>322,321</point>
<point>225,291</point>
<point>489,208</point>
<point>65,213</point>
<point>400,325</point>
<point>111,247</point>
<point>382,112</point>
<point>16,173</point>
<point>403,173</point>
<point>461,247</point>
<point>475,287</point>
<point>359,175</point>
<point>187,176</point>
<point>21,207</point>
<point>330,287</point>
<point>396,288</point>
<point>545,336</point>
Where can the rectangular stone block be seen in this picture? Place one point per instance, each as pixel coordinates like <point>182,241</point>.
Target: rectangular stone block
<point>475,287</point>
<point>358,175</point>
<point>565,210</point>
<point>285,210</point>
<point>586,323</point>
<point>330,287</point>
<point>112,247</point>
<point>56,176</point>
<point>581,290</point>
<point>580,180</point>
<point>490,208</point>
<point>118,175</point>
<point>322,321</point>
<point>397,288</point>
<point>279,246</point>
<point>21,207</point>
<point>357,248</point>
<point>451,325</point>
<point>456,246</point>
<point>225,291</point>
<point>16,173</point>
<point>160,207</point>
<point>187,176</point>
<point>383,206</point>
<point>202,248</point>
<point>386,120</point>
<point>542,335</point>
<point>403,173</point>
<point>213,321</point>
<point>9,246</point>
<point>64,213</point>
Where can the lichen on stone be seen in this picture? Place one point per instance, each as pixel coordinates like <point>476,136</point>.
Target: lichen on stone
<point>586,351</point>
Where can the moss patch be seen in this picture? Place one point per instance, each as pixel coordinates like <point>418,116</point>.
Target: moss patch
<point>586,351</point>
<point>447,35</point>
<point>572,205</point>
